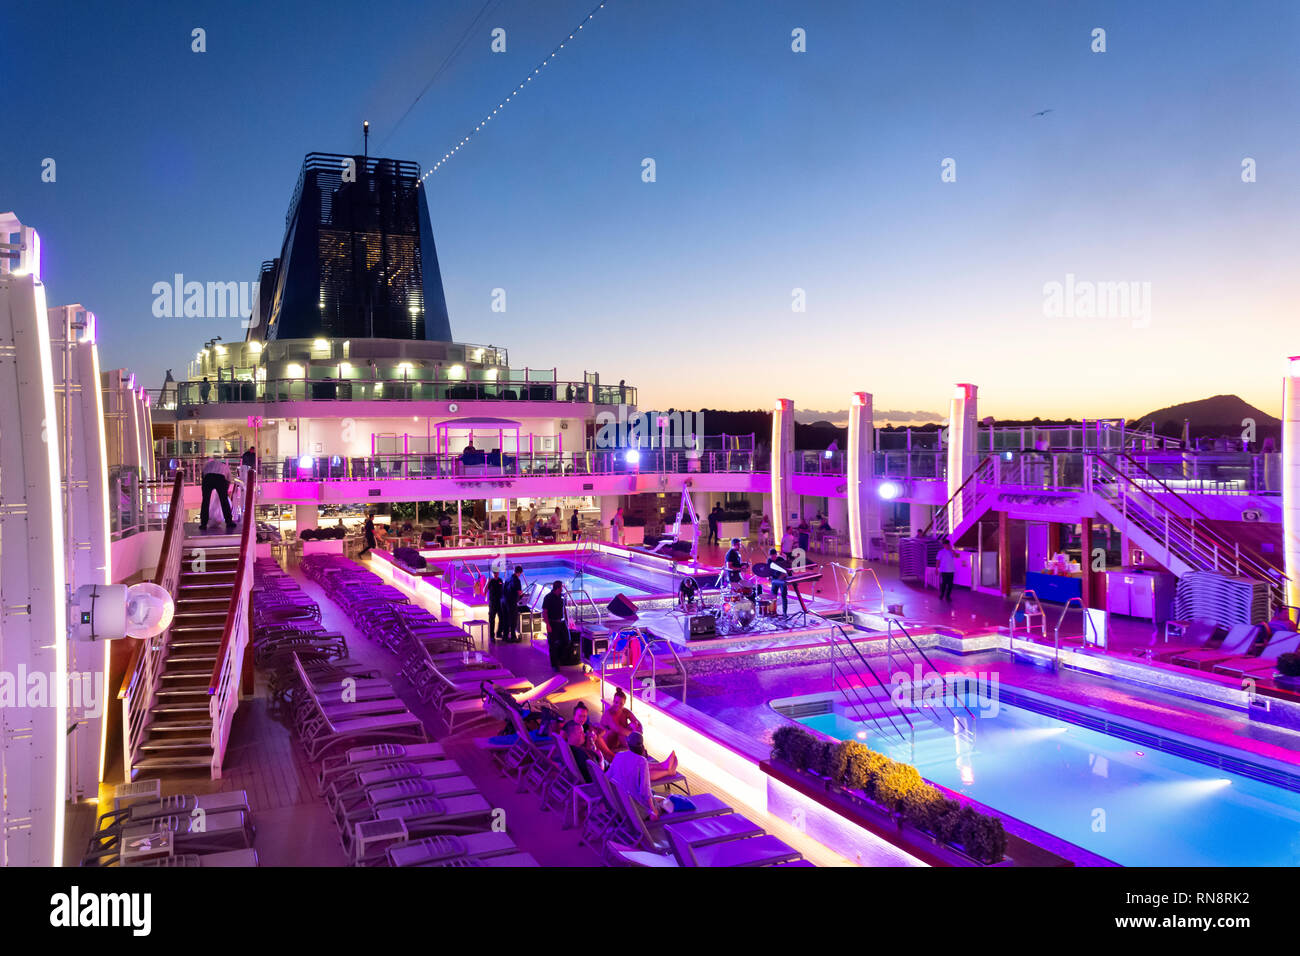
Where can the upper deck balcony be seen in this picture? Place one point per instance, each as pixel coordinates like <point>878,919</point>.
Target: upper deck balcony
<point>380,370</point>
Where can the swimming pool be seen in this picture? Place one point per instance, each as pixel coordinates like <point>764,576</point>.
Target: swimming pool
<point>1131,803</point>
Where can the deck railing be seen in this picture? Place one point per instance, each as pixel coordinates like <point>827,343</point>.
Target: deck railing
<point>223,687</point>
<point>144,667</point>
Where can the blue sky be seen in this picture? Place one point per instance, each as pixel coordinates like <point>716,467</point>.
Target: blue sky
<point>775,171</point>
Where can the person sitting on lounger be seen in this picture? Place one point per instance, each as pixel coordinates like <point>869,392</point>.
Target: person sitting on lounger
<point>620,724</point>
<point>595,740</point>
<point>575,738</point>
<point>632,771</point>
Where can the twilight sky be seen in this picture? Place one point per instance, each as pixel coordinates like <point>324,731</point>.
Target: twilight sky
<point>775,171</point>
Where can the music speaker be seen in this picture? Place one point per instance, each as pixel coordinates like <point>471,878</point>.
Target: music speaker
<point>622,607</point>
<point>703,625</point>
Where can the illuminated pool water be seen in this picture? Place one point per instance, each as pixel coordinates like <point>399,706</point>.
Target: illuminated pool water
<point>1133,805</point>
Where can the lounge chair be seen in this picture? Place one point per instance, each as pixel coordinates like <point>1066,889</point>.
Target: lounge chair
<point>756,851</point>
<point>429,850</point>
<point>1239,643</point>
<point>244,858</point>
<point>331,767</point>
<point>227,830</point>
<point>651,835</point>
<point>1264,664</point>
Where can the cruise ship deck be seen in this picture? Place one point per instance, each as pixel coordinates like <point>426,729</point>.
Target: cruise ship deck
<point>648,438</point>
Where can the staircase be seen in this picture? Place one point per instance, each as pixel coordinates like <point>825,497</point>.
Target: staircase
<point>1169,528</point>
<point>967,504</point>
<point>179,731</point>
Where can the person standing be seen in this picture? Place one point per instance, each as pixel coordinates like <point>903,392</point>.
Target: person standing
<point>514,590</point>
<point>496,589</point>
<point>573,524</point>
<point>714,516</point>
<point>735,562</point>
<point>205,390</point>
<point>368,529</point>
<point>616,527</point>
<point>557,625</point>
<point>216,477</point>
<point>946,562</point>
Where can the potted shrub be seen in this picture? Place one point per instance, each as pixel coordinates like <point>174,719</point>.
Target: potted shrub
<point>1288,669</point>
<point>893,782</point>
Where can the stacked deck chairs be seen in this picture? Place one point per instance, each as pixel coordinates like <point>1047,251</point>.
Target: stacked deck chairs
<point>287,622</point>
<point>612,823</point>
<point>211,829</point>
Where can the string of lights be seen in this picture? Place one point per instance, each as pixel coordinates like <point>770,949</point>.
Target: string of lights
<point>513,93</point>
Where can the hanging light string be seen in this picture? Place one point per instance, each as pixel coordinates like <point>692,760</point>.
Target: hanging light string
<point>512,94</point>
<point>488,6</point>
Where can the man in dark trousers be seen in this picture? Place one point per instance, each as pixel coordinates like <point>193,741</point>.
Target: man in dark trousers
<point>514,590</point>
<point>369,529</point>
<point>496,589</point>
<point>557,625</point>
<point>714,517</point>
<point>735,562</point>
<point>573,524</point>
<point>216,477</point>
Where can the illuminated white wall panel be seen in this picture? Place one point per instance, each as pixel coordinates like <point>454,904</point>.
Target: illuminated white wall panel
<point>962,434</point>
<point>782,465</point>
<point>863,502</point>
<point>33,598</point>
<point>1291,478</point>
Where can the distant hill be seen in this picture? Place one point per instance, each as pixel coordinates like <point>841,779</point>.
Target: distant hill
<point>1218,416</point>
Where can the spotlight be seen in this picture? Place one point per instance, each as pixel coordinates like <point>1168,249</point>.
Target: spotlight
<point>889,490</point>
<point>632,457</point>
<point>305,461</point>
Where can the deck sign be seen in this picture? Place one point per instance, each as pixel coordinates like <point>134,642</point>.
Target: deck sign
<point>75,909</point>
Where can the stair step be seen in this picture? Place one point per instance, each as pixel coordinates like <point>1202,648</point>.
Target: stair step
<point>194,630</point>
<point>174,763</point>
<point>178,725</point>
<point>176,677</point>
<point>191,658</point>
<point>179,743</point>
<point>178,708</point>
<point>179,694</point>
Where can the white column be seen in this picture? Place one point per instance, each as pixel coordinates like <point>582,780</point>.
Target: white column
<point>863,502</point>
<point>962,437</point>
<point>33,592</point>
<point>782,465</point>
<point>1291,478</point>
<point>305,516</point>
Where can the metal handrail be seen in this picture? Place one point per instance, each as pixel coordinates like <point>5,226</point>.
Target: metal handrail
<point>1056,660</point>
<point>1011,623</point>
<point>889,631</point>
<point>870,670</point>
<point>961,490</point>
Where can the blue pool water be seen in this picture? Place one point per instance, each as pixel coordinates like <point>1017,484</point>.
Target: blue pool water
<point>1135,806</point>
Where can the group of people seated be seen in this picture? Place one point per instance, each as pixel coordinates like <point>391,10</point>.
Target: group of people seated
<point>617,746</point>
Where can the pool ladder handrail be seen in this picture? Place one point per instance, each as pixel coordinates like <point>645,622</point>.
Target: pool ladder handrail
<point>958,723</point>
<point>1011,623</point>
<point>1087,622</point>
<point>647,650</point>
<point>858,696</point>
<point>571,600</point>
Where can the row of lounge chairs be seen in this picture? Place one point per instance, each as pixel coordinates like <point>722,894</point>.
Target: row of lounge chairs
<point>1241,651</point>
<point>396,797</point>
<point>611,822</point>
<point>211,829</point>
<point>387,786</point>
